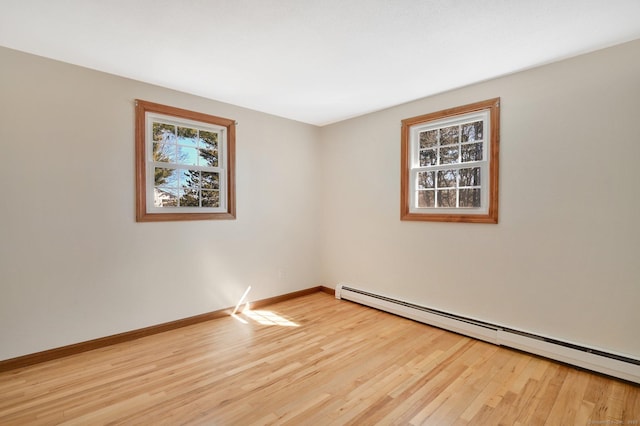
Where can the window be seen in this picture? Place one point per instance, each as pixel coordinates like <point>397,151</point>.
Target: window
<point>450,164</point>
<point>184,164</point>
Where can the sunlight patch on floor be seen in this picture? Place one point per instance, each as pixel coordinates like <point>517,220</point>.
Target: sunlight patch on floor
<point>268,318</point>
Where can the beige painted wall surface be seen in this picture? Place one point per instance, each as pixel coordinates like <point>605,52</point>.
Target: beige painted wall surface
<point>564,261</point>
<point>74,264</point>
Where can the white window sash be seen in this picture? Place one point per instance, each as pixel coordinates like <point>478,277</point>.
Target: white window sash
<point>483,164</point>
<point>150,164</point>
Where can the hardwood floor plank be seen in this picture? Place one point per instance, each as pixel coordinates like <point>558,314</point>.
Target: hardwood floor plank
<point>312,360</point>
<point>448,405</point>
<point>488,389</point>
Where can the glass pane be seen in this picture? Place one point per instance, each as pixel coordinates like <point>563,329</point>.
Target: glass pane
<point>428,139</point>
<point>470,197</point>
<point>210,198</point>
<point>165,197</point>
<point>428,157</point>
<point>208,140</point>
<point>163,153</point>
<point>426,199</point>
<point>426,180</point>
<point>190,197</point>
<point>470,177</point>
<point>447,198</point>
<point>446,178</point>
<point>449,135</point>
<point>165,177</point>
<point>190,179</point>
<point>187,136</point>
<point>210,180</point>
<point>472,152</point>
<point>472,132</point>
<point>187,155</point>
<point>208,157</point>
<point>164,132</point>
<point>449,155</point>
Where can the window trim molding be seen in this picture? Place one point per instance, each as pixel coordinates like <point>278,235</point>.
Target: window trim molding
<point>142,215</point>
<point>491,105</point>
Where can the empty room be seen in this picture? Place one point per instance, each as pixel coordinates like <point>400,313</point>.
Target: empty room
<point>320,212</point>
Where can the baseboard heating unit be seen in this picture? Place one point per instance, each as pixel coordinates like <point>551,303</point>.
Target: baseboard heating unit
<point>615,365</point>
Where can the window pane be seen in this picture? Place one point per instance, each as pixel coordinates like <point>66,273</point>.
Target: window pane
<point>187,136</point>
<point>165,177</point>
<point>163,153</point>
<point>190,197</point>
<point>187,155</point>
<point>449,135</point>
<point>210,180</point>
<point>208,149</point>
<point>208,140</point>
<point>426,199</point>
<point>428,157</point>
<point>164,132</point>
<point>470,197</point>
<point>164,197</point>
<point>470,177</point>
<point>428,139</point>
<point>472,152</point>
<point>472,132</point>
<point>449,155</point>
<point>210,198</point>
<point>426,180</point>
<point>446,178</point>
<point>190,179</point>
<point>208,157</point>
<point>447,198</point>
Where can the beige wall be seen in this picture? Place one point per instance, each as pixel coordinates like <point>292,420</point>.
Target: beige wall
<point>320,206</point>
<point>564,261</point>
<point>74,264</point>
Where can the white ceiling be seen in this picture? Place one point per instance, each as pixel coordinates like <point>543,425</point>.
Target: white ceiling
<point>316,61</point>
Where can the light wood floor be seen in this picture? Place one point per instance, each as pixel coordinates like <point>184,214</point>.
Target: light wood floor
<point>313,360</point>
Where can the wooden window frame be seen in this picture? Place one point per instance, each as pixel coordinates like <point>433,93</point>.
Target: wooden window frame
<point>493,147</point>
<point>141,152</point>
